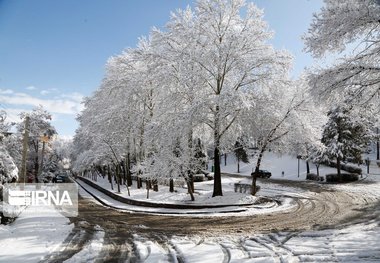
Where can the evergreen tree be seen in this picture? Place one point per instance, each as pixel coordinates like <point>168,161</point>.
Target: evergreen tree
<point>241,154</point>
<point>345,135</point>
<point>200,158</point>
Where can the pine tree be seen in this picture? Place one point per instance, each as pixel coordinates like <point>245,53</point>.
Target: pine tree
<point>241,154</point>
<point>345,135</point>
<point>199,155</point>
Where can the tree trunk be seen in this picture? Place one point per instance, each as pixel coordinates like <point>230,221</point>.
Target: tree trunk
<point>36,168</point>
<point>338,169</point>
<point>103,171</point>
<point>128,168</point>
<point>190,175</point>
<point>42,161</point>
<point>307,167</point>
<point>110,176</point>
<point>23,172</point>
<point>254,175</point>
<point>124,172</point>
<point>377,146</point>
<point>317,166</point>
<point>147,188</point>
<point>238,165</point>
<point>190,180</point>
<point>134,151</point>
<point>139,182</point>
<point>171,185</point>
<point>190,190</point>
<point>155,185</point>
<point>217,174</point>
<point>118,177</point>
<point>225,159</point>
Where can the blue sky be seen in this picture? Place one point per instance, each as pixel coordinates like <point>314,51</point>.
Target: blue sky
<point>54,52</point>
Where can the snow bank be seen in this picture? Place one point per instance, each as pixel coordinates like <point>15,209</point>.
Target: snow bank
<point>32,237</point>
<point>8,169</point>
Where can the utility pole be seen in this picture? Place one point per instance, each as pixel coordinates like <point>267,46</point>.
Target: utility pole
<point>377,145</point>
<point>298,158</point>
<point>44,140</point>
<point>22,178</point>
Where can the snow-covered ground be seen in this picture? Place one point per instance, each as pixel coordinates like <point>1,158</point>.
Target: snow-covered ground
<point>356,241</point>
<point>275,164</point>
<point>203,193</point>
<point>90,252</point>
<point>287,203</point>
<point>31,237</point>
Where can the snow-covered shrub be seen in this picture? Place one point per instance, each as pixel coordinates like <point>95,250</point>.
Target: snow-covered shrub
<point>351,168</point>
<point>8,169</point>
<point>345,177</point>
<point>47,176</point>
<point>314,177</point>
<point>345,167</point>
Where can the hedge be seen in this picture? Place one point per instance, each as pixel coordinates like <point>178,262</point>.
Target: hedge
<point>345,177</point>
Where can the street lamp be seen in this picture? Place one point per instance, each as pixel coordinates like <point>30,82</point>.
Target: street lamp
<point>367,162</point>
<point>298,158</point>
<point>44,139</point>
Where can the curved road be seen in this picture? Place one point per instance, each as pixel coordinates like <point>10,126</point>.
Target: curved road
<point>321,207</point>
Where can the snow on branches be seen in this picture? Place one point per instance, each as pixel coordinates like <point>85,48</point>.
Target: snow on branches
<point>184,89</point>
<point>352,27</point>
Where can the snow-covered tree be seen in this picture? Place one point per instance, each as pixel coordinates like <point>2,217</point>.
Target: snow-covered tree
<point>8,169</point>
<point>305,138</point>
<point>346,135</point>
<point>233,58</point>
<point>194,80</point>
<point>39,125</point>
<point>241,154</point>
<point>275,119</point>
<point>350,27</point>
<point>61,151</point>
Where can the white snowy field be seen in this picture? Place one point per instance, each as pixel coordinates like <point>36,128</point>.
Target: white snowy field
<point>203,193</point>
<point>275,164</point>
<point>353,243</point>
<point>203,190</point>
<point>356,241</point>
<point>31,237</point>
<point>92,249</point>
<point>287,202</point>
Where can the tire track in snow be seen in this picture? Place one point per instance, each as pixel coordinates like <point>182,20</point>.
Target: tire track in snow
<point>114,249</point>
<point>74,243</point>
<point>280,252</point>
<point>90,252</point>
<point>320,209</point>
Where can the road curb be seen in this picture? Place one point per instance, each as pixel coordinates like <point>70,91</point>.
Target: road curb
<point>150,204</point>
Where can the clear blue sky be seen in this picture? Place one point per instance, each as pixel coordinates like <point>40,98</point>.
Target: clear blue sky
<point>53,52</point>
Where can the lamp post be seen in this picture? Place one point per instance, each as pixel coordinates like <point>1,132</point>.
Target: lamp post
<point>44,139</point>
<point>298,158</point>
<point>22,178</point>
<point>367,162</point>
